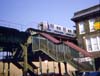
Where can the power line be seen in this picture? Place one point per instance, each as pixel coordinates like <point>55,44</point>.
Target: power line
<point>15,25</point>
<point>10,22</point>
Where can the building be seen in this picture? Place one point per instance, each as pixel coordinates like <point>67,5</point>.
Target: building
<point>88,29</point>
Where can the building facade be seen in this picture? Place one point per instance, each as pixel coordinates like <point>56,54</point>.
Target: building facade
<point>88,29</point>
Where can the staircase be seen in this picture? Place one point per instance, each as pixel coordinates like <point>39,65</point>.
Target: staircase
<point>60,51</point>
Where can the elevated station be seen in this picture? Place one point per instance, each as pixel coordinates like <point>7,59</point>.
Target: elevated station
<point>24,48</point>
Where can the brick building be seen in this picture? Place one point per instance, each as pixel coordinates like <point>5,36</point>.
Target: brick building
<point>88,35</point>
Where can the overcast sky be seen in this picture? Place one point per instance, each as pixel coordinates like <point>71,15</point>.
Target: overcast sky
<point>31,12</point>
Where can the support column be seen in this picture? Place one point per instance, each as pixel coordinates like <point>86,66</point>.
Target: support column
<point>54,67</point>
<point>8,68</point>
<point>3,68</point>
<point>59,67</point>
<point>65,65</point>
<point>40,64</point>
<point>3,65</point>
<point>24,48</point>
<point>8,57</point>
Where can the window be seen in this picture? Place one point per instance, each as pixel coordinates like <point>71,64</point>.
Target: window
<point>98,39</point>
<point>69,31</point>
<point>93,44</point>
<point>51,26</point>
<point>91,24</point>
<point>64,29</point>
<point>89,46</point>
<point>58,28</point>
<point>81,28</point>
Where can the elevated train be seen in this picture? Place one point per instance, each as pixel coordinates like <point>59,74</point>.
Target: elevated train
<point>58,29</point>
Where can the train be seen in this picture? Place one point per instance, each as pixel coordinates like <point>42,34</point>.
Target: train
<point>58,29</point>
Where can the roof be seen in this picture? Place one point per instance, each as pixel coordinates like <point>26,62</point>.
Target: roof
<point>10,35</point>
<point>77,48</point>
<point>54,40</point>
<point>86,12</point>
<point>72,45</point>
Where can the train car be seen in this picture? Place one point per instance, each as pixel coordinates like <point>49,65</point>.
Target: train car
<point>45,26</point>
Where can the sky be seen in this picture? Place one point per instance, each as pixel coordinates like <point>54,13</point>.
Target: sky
<point>23,14</point>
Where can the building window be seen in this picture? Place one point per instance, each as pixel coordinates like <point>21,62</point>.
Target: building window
<point>93,44</point>
<point>88,44</point>
<point>98,39</point>
<point>91,24</point>
<point>81,28</point>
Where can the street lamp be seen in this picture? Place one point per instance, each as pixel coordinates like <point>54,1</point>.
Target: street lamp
<point>46,62</point>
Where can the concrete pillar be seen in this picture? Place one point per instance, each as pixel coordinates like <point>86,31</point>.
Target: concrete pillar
<point>24,48</point>
<point>59,68</point>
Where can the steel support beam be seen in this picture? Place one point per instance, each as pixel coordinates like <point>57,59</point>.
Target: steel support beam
<point>25,69</point>
<point>65,65</point>
<point>59,68</point>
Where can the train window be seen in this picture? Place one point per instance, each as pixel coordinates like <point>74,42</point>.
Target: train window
<point>75,31</point>
<point>58,28</point>
<point>51,26</point>
<point>64,29</point>
<point>40,26</point>
<point>69,31</point>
